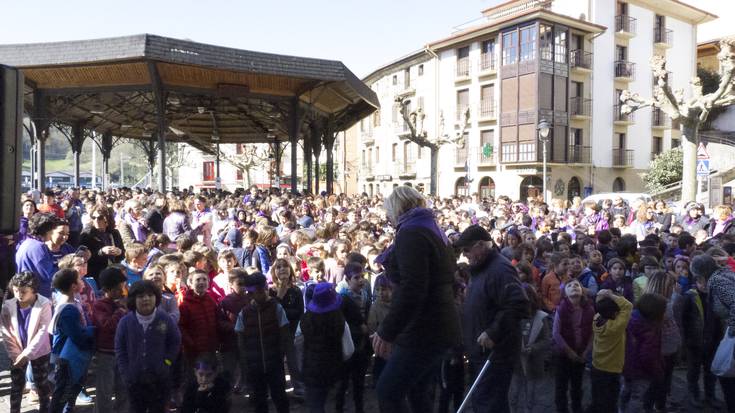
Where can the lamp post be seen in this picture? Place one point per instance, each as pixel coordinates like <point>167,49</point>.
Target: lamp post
<point>543,136</point>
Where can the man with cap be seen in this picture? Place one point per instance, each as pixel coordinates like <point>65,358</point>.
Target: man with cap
<point>494,305</point>
<point>262,330</point>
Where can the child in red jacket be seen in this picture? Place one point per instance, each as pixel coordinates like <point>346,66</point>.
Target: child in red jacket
<point>106,314</point>
<point>198,321</point>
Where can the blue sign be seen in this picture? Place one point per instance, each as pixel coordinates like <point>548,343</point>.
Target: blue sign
<point>703,167</point>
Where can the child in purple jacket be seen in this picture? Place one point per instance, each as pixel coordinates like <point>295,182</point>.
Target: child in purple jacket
<point>147,342</point>
<point>643,360</point>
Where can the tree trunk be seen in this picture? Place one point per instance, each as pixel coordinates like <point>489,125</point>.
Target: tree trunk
<point>247,176</point>
<point>434,153</point>
<point>689,145</point>
<point>317,176</point>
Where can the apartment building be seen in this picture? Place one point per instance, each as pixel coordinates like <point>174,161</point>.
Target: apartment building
<point>562,61</point>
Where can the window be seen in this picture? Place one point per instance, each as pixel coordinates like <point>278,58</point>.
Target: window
<point>560,46</point>
<point>577,42</point>
<point>364,158</point>
<point>407,78</point>
<point>487,100</point>
<point>370,157</point>
<point>487,54</point>
<point>395,80</point>
<point>407,157</point>
<point>545,37</point>
<point>420,103</point>
<point>376,118</point>
<point>238,175</point>
<point>463,102</point>
<point>619,141</point>
<point>575,137</point>
<point>208,171</point>
<point>421,70</point>
<point>621,53</point>
<point>394,150</point>
<point>463,61</point>
<point>621,8</point>
<point>377,154</point>
<point>238,149</point>
<point>396,111</point>
<point>528,43</point>
<point>658,145</point>
<point>510,48</point>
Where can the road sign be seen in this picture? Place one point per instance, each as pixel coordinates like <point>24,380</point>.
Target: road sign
<point>703,167</point>
<point>702,152</point>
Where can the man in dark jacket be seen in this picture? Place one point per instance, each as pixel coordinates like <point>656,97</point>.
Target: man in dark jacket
<point>494,305</point>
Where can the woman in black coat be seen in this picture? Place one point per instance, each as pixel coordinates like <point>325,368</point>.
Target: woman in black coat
<point>423,322</point>
<point>105,245</point>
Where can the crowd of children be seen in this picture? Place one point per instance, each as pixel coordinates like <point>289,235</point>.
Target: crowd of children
<point>263,285</point>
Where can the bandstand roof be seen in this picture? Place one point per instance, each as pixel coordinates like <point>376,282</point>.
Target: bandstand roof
<point>210,93</point>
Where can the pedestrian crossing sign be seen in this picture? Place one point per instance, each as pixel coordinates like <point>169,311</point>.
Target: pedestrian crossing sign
<point>703,167</point>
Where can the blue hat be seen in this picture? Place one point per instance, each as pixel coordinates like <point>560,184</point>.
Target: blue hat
<point>324,300</point>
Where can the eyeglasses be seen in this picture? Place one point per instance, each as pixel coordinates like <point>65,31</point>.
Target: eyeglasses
<point>99,218</point>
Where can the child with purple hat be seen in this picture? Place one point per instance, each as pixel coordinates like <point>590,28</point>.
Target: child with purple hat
<point>327,343</point>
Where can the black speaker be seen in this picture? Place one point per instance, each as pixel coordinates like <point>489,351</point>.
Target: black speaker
<point>11,133</point>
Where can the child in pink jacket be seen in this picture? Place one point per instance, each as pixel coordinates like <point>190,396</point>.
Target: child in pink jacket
<point>24,323</point>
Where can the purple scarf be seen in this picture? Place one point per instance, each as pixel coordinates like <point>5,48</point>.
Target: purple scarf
<point>414,218</point>
<point>139,231</point>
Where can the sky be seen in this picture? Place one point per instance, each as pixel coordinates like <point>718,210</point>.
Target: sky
<point>363,35</point>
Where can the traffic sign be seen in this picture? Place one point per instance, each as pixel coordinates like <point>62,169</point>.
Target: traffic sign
<point>702,152</point>
<point>703,167</point>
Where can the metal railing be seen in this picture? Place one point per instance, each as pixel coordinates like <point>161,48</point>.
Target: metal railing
<point>463,67</point>
<point>660,119</point>
<point>483,159</point>
<point>663,35</point>
<point>580,58</point>
<point>624,68</point>
<point>625,23</point>
<point>579,106</point>
<point>619,116</point>
<point>367,169</point>
<point>622,157</point>
<point>406,168</point>
<point>487,62</point>
<point>486,109</point>
<point>578,154</point>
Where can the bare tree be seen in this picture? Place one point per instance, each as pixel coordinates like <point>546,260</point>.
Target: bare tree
<point>691,112</point>
<point>251,157</point>
<point>419,135</point>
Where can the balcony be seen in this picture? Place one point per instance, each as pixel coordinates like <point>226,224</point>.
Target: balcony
<point>663,37</point>
<point>485,158</point>
<point>401,128</point>
<point>366,170</point>
<point>620,118</point>
<point>622,158</point>
<point>580,60</point>
<point>406,169</point>
<point>659,119</point>
<point>460,156</point>
<point>578,154</point>
<point>406,89</point>
<point>367,137</point>
<point>461,110</point>
<point>580,108</point>
<point>624,70</point>
<point>488,63</point>
<point>463,69</point>
<point>624,26</point>
<point>486,111</point>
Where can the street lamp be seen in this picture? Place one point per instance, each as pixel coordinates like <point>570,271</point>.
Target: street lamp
<point>543,136</point>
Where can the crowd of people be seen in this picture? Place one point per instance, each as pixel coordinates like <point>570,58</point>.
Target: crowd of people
<point>188,300</point>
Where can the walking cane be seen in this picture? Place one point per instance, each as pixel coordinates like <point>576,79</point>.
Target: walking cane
<point>477,380</point>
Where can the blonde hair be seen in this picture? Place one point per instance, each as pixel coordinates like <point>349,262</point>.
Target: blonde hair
<point>660,282</point>
<point>722,210</point>
<point>403,198</point>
